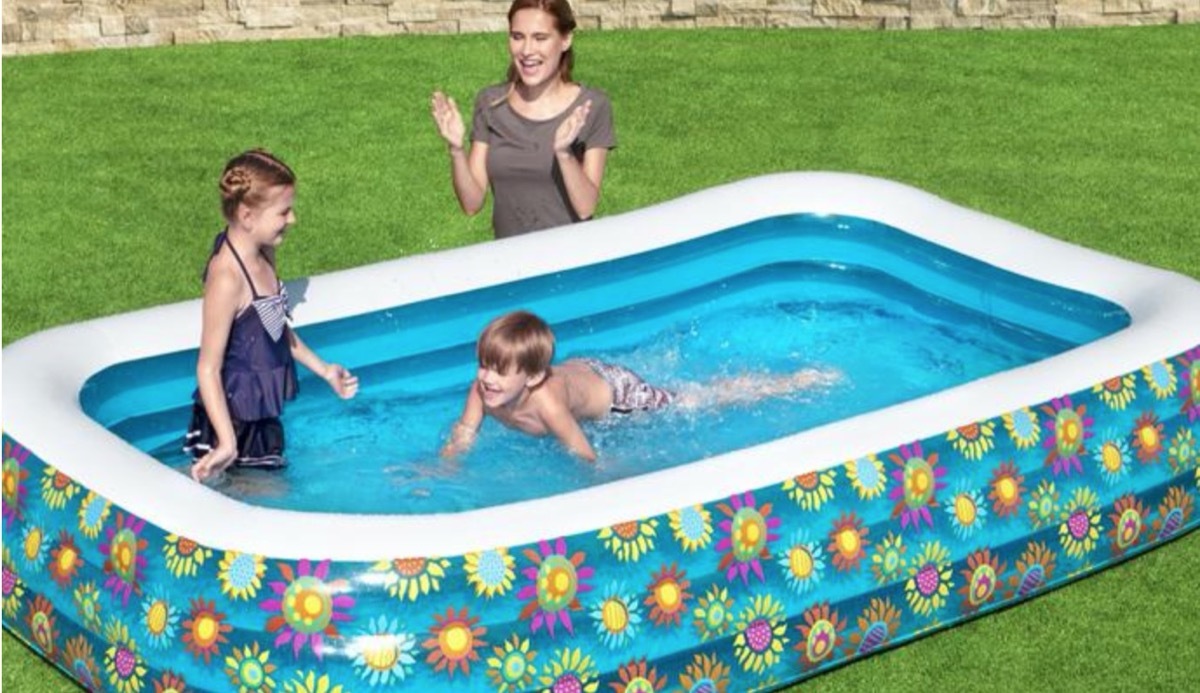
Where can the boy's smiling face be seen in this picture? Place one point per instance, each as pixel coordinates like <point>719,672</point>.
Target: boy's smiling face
<point>504,389</point>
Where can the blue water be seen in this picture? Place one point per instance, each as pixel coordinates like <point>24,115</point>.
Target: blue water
<point>895,316</point>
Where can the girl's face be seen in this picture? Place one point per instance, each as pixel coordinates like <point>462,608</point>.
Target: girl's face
<point>536,46</point>
<point>269,221</point>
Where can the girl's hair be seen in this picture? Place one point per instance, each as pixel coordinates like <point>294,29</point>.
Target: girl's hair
<point>564,22</point>
<point>519,338</point>
<point>248,176</point>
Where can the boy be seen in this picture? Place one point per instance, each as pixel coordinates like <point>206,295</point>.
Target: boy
<point>516,385</point>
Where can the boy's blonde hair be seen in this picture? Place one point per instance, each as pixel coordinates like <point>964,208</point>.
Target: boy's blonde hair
<point>519,339</point>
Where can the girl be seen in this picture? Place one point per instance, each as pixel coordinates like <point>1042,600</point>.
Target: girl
<point>540,141</point>
<point>246,367</point>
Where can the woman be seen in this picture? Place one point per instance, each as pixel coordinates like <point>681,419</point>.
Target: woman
<point>540,140</point>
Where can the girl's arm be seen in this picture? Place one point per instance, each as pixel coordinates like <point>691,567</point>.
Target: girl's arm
<point>581,179</point>
<point>221,298</point>
<point>462,436</point>
<point>468,170</point>
<point>562,423</point>
<point>339,379</point>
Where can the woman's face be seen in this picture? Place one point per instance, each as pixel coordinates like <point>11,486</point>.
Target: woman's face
<point>536,46</point>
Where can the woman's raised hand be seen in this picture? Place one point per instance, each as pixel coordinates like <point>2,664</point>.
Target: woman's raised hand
<point>449,121</point>
<point>571,126</point>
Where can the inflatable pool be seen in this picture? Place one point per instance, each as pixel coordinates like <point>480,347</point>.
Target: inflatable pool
<point>747,568</point>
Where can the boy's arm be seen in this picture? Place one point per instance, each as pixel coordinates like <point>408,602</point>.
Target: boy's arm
<point>462,436</point>
<point>562,424</point>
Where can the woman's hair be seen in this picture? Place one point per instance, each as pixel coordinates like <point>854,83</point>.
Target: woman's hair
<point>564,22</point>
<point>519,338</point>
<point>247,178</point>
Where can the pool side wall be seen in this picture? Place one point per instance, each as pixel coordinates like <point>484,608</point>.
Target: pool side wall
<point>767,586</point>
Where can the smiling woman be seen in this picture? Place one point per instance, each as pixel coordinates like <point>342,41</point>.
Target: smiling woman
<point>539,140</point>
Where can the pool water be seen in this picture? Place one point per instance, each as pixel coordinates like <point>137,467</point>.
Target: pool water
<point>894,316</point>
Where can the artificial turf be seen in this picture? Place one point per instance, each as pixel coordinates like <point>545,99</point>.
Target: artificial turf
<point>110,161</point>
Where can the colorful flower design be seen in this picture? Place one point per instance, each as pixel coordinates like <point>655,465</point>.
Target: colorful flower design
<point>629,541</point>
<point>454,639</point>
<point>811,490</point>
<point>570,671</point>
<point>184,556</point>
<point>1043,505</point>
<point>122,661</point>
<point>973,441</point>
<point>1173,513</point>
<point>616,615</point>
<point>918,479</point>
<point>1067,431</point>
<point>713,615</point>
<point>204,630</point>
<point>511,668</point>
<point>249,669</point>
<point>1148,438</point>
<point>1005,489</point>
<point>1128,520</point>
<point>877,625</point>
<point>383,654</point>
<point>490,572</point>
<point>124,556</point>
<point>35,545</point>
<point>705,674</point>
<point>1160,378</point>
<point>305,607</point>
<point>310,682</point>
<point>692,527</point>
<point>555,583</point>
<point>170,682</point>
<point>87,605</point>
<point>14,476</point>
<point>65,560</point>
<point>241,574</point>
<point>1080,531</point>
<point>1035,568</point>
<point>967,511</point>
<point>930,579</point>
<point>1190,392</point>
<point>42,624</point>
<point>848,541</point>
<point>749,530</point>
<point>803,562</point>
<point>1112,457</point>
<point>982,577</point>
<point>93,512</point>
<point>57,488</point>
<point>1023,428</point>
<point>1118,392</point>
<point>638,677</point>
<point>668,595</point>
<point>888,564</point>
<point>761,634</point>
<point>159,618</point>
<point>1182,452</point>
<point>80,661</point>
<point>867,476</point>
<point>820,635</point>
<point>410,578</point>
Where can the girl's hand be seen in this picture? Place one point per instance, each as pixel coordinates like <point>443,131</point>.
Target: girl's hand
<point>448,120</point>
<point>570,128</point>
<point>341,380</point>
<point>213,463</point>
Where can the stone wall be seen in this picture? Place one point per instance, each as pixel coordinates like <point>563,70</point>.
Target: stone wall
<point>42,26</point>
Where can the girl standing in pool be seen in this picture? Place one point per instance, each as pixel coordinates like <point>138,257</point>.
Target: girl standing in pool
<point>539,140</point>
<point>246,368</point>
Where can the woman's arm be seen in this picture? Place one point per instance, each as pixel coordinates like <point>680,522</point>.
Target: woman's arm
<point>468,170</point>
<point>581,179</point>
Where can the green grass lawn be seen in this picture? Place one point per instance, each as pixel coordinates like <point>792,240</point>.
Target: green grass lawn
<point>110,162</point>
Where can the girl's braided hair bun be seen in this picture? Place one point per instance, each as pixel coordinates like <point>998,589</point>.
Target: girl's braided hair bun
<point>248,176</point>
